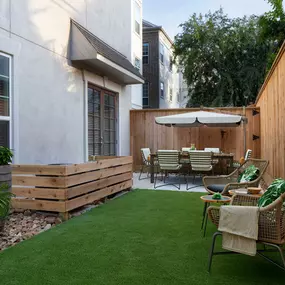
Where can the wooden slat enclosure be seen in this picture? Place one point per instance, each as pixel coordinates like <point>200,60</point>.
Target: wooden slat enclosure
<point>62,188</point>
<point>144,132</point>
<point>271,101</point>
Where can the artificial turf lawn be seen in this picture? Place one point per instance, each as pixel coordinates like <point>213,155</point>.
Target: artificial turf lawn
<point>145,237</point>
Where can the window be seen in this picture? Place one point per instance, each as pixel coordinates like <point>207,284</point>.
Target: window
<point>137,63</point>
<point>161,53</point>
<point>170,63</point>
<point>137,18</point>
<point>145,53</point>
<point>102,126</point>
<point>5,107</point>
<point>170,94</point>
<point>145,94</point>
<point>161,90</point>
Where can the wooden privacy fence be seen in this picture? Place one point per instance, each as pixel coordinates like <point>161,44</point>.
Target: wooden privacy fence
<point>144,132</point>
<point>62,188</point>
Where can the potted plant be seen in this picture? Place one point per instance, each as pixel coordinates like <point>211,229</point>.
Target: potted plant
<point>5,199</point>
<point>6,156</point>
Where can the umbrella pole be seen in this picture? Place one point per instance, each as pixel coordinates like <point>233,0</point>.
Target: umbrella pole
<point>244,130</point>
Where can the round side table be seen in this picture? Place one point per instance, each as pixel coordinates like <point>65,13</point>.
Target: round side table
<point>208,199</point>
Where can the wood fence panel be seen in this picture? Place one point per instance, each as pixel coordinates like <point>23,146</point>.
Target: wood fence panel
<point>145,132</point>
<point>271,102</point>
<point>64,188</point>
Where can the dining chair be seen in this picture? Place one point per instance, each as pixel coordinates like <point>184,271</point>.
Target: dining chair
<point>145,153</point>
<point>168,162</point>
<point>201,162</point>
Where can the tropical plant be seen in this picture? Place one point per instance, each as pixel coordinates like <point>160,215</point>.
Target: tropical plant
<point>249,174</point>
<point>274,191</point>
<point>6,155</point>
<point>5,199</point>
<point>223,60</point>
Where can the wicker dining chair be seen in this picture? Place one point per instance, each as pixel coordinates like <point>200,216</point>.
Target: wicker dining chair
<point>222,184</point>
<point>168,162</point>
<point>271,226</point>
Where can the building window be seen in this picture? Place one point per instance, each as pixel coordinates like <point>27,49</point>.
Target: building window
<point>5,95</point>
<point>145,53</point>
<point>161,90</point>
<point>138,19</point>
<point>170,63</point>
<point>137,63</point>
<point>145,94</point>
<point>170,94</point>
<point>161,53</point>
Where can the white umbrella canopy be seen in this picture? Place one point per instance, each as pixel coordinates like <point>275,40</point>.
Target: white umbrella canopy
<point>200,118</point>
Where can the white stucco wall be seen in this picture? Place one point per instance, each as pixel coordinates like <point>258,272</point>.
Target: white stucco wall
<point>49,96</point>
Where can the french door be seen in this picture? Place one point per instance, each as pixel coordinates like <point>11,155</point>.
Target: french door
<point>102,122</point>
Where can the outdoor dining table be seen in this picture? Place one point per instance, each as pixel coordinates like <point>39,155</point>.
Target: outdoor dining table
<point>218,156</point>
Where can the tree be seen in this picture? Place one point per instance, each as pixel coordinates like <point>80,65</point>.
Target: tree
<point>272,25</point>
<point>223,60</point>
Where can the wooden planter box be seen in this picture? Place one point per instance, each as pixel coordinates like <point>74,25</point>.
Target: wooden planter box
<point>62,188</point>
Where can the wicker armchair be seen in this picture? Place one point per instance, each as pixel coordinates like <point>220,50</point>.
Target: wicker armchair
<point>224,183</point>
<point>271,226</point>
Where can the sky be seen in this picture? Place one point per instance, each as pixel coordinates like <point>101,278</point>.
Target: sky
<point>171,13</point>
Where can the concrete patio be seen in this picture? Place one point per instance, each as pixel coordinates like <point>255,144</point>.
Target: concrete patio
<point>145,183</point>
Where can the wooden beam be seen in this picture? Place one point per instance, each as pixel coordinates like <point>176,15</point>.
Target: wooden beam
<point>56,182</point>
<point>56,170</point>
<point>90,198</point>
<point>44,193</point>
<point>97,185</point>
<point>95,175</point>
<point>97,165</point>
<point>40,205</point>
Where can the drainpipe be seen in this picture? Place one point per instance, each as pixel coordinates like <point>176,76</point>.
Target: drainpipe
<point>85,157</point>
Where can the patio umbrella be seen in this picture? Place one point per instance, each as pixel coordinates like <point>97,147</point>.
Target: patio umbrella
<point>203,118</point>
<point>200,118</point>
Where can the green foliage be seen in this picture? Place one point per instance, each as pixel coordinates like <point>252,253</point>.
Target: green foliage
<point>272,26</point>
<point>223,60</point>
<point>5,199</point>
<point>217,196</point>
<point>274,191</point>
<point>249,174</point>
<point>6,155</point>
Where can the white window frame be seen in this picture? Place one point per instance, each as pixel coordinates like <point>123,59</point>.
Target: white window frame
<point>137,63</point>
<point>137,5</point>
<point>9,118</point>
<point>146,56</point>
<point>144,97</point>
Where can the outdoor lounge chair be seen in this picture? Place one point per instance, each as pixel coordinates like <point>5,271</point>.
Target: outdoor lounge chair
<point>168,162</point>
<point>271,226</point>
<point>201,162</point>
<point>222,184</point>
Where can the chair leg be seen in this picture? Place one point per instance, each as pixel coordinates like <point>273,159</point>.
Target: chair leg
<point>280,249</point>
<point>212,250</point>
<point>194,176</point>
<point>142,168</point>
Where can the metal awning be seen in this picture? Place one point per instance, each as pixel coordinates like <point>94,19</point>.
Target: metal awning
<point>200,118</point>
<point>89,52</point>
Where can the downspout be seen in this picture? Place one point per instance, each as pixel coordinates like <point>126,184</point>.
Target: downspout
<point>85,157</point>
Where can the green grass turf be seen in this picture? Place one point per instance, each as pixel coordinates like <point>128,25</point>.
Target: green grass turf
<point>145,237</point>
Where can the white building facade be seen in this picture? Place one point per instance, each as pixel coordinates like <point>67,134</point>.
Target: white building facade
<point>67,80</point>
